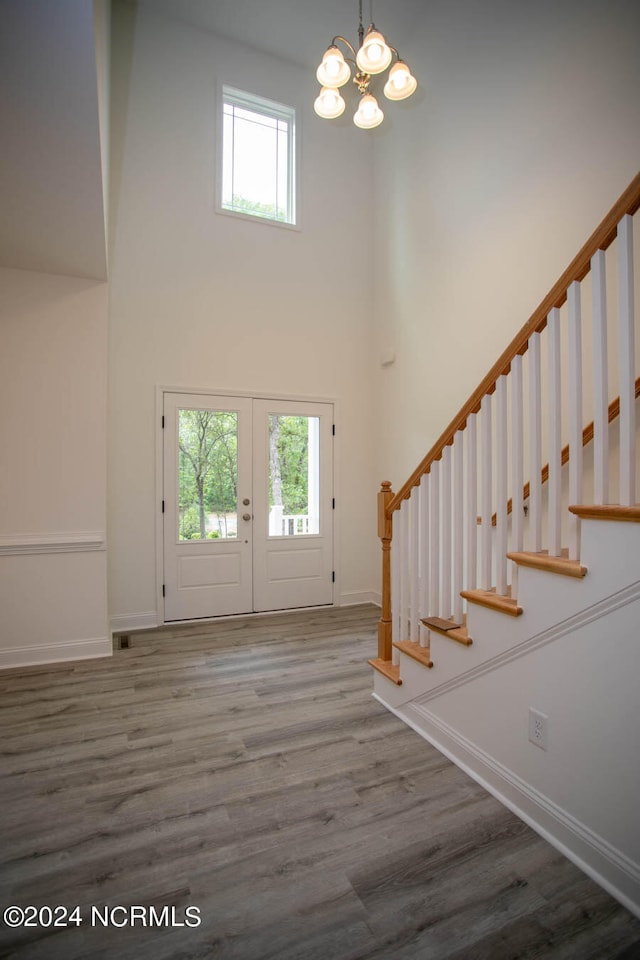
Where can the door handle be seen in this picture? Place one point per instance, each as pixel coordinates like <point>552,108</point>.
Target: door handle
<point>246,516</point>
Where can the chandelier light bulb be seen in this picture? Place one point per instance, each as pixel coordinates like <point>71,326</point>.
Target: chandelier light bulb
<point>401,84</point>
<point>329,104</point>
<point>374,55</point>
<point>368,114</point>
<point>334,70</point>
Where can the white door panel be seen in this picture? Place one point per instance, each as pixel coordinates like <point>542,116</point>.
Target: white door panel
<point>222,571</point>
<point>294,564</point>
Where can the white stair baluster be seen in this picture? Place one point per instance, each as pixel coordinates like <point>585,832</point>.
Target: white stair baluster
<point>555,435</point>
<point>486,454</point>
<point>445,534</point>
<point>434,547</point>
<point>600,380</point>
<point>501,485</point>
<point>626,341</point>
<point>396,553</point>
<point>404,572</point>
<point>414,630</point>
<point>458,524</point>
<point>535,444</point>
<point>517,466</point>
<point>575,415</point>
<point>472,502</point>
<point>424,557</point>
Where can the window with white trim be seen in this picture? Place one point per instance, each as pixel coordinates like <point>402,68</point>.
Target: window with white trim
<point>258,157</point>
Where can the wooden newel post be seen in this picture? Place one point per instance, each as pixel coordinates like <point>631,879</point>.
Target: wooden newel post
<point>385,532</point>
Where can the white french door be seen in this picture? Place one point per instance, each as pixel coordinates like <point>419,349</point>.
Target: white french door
<point>293,515</point>
<point>207,461</point>
<point>248,505</point>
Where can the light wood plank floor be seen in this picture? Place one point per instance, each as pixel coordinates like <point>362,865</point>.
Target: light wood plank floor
<point>244,768</point>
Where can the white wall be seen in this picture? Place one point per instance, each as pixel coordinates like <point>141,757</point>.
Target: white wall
<point>53,332</point>
<point>51,179</point>
<point>524,131</point>
<point>204,300</point>
<point>102,32</point>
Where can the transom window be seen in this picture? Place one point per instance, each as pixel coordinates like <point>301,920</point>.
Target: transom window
<point>258,157</point>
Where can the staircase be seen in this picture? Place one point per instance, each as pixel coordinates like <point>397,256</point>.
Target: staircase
<point>510,628</point>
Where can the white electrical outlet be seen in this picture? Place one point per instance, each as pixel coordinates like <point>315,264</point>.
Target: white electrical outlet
<point>538,728</point>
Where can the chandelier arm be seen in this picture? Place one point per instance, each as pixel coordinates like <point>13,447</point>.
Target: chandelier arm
<point>345,41</point>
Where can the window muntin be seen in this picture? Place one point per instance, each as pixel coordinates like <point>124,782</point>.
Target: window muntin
<point>258,157</point>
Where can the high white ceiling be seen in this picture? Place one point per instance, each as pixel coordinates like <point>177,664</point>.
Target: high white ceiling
<point>51,188</point>
<point>295,30</point>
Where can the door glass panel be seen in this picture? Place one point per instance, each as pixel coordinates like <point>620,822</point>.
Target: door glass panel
<point>207,474</point>
<point>294,475</point>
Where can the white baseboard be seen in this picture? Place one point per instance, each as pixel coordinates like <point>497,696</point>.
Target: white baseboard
<point>151,620</point>
<point>607,866</point>
<point>56,652</point>
<point>135,621</point>
<point>358,597</point>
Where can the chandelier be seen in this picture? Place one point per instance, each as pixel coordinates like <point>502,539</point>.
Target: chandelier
<point>374,55</point>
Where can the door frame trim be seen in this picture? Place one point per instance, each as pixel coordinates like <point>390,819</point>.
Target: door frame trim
<point>160,391</point>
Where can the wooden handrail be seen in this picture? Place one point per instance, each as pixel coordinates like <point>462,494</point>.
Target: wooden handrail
<point>587,437</point>
<point>600,239</point>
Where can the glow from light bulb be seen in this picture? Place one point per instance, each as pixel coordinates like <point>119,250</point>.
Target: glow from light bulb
<point>334,71</point>
<point>399,78</point>
<point>329,104</point>
<point>368,114</point>
<point>374,50</point>
<point>374,55</point>
<point>332,66</point>
<point>400,84</point>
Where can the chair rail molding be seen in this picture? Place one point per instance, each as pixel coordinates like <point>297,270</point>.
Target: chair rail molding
<point>36,543</point>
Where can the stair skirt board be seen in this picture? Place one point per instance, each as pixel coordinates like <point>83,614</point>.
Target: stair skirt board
<point>608,867</point>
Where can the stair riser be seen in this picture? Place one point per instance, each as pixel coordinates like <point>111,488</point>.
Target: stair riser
<point>611,554</point>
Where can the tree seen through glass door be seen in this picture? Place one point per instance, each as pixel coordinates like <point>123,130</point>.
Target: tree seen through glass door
<point>294,470</point>
<point>207,474</point>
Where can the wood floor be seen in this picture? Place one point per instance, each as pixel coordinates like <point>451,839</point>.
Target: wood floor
<point>243,768</point>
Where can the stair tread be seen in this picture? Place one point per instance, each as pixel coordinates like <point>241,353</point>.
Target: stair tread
<point>387,669</point>
<point>552,564</point>
<point>607,511</point>
<point>414,650</point>
<point>493,600</point>
<point>449,628</point>
<point>438,623</point>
